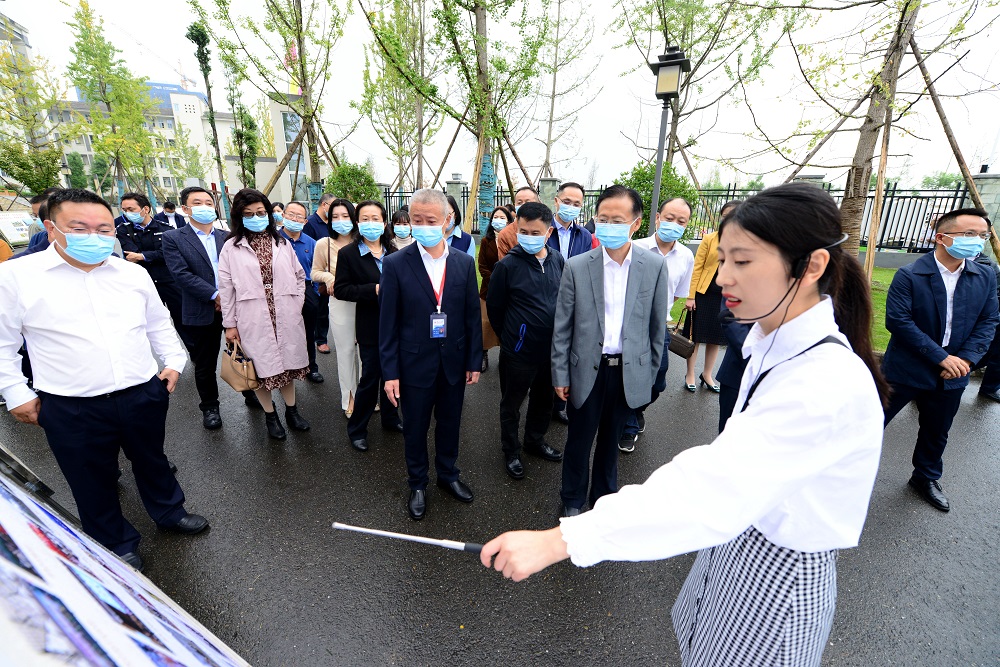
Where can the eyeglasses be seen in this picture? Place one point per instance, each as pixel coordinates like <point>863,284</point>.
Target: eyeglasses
<point>970,235</point>
<point>615,221</point>
<point>87,232</point>
<point>294,217</point>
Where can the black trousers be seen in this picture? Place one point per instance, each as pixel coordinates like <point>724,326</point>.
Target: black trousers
<point>86,434</point>
<point>310,315</point>
<point>603,415</point>
<point>444,401</point>
<point>205,342</point>
<point>990,361</point>
<point>170,295</point>
<point>727,403</point>
<point>370,390</point>
<point>517,381</point>
<point>936,409</point>
<point>322,328</point>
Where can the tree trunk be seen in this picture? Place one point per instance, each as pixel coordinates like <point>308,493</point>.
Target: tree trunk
<point>852,208</point>
<point>672,139</point>
<point>873,228</point>
<point>280,169</point>
<point>484,113</point>
<point>312,138</point>
<point>218,152</point>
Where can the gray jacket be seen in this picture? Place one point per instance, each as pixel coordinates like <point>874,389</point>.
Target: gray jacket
<point>578,338</point>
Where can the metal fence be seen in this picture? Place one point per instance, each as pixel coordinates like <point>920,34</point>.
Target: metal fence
<point>906,221</point>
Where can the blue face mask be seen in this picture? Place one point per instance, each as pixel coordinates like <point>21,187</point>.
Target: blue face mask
<point>531,244</point>
<point>89,248</point>
<point>669,231</point>
<point>516,209</point>
<point>499,223</point>
<point>612,236</point>
<point>257,223</point>
<point>427,235</point>
<point>133,217</point>
<point>372,231</point>
<point>294,227</point>
<point>568,213</point>
<point>342,227</point>
<point>203,214</point>
<point>278,218</point>
<point>963,248</point>
<point>402,231</point>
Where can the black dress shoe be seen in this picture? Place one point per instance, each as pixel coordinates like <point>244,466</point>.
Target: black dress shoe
<point>993,396</point>
<point>211,419</point>
<point>274,428</point>
<point>190,524</point>
<point>417,505</point>
<point>393,428</point>
<point>250,400</point>
<point>486,362</point>
<point>315,376</point>
<point>361,444</point>
<point>514,467</point>
<point>641,418</point>
<point>173,469</point>
<point>457,490</point>
<point>568,511</point>
<point>296,422</point>
<point>561,416</point>
<point>545,451</point>
<point>930,490</point>
<point>133,559</point>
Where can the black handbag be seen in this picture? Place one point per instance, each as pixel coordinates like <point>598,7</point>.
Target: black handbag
<point>679,345</point>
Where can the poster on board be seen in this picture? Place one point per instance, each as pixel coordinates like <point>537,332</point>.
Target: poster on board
<point>66,600</point>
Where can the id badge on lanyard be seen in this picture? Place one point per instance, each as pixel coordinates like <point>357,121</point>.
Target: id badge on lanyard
<point>439,320</point>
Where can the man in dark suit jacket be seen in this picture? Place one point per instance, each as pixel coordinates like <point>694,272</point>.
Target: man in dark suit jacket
<point>942,313</point>
<point>170,216</point>
<point>430,343</point>
<point>192,256</point>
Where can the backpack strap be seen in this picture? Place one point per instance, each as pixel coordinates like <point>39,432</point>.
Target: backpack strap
<point>760,378</point>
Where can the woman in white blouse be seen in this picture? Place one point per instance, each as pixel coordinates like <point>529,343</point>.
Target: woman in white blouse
<point>787,483</point>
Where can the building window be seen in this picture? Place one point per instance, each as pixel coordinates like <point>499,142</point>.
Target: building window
<point>156,181</point>
<point>162,124</point>
<point>177,108</point>
<point>171,143</point>
<point>170,124</point>
<point>86,159</point>
<point>52,118</point>
<point>292,124</point>
<point>79,141</point>
<point>167,182</point>
<point>163,163</point>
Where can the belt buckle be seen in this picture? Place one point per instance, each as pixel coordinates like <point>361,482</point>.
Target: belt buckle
<point>267,286</point>
<point>613,361</point>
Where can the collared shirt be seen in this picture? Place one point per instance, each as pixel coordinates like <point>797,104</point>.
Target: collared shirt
<point>365,250</point>
<point>950,279</point>
<point>680,266</point>
<point>615,284</point>
<point>208,241</point>
<point>565,236</point>
<point>456,233</point>
<point>89,333</point>
<point>305,250</point>
<point>799,464</point>
<point>171,219</point>
<point>434,267</point>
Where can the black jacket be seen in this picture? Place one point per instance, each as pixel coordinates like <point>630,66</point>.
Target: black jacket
<point>149,242</point>
<point>357,277</point>
<point>523,293</point>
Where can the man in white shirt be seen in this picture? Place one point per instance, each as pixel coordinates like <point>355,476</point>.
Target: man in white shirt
<point>170,216</point>
<point>89,320</point>
<point>607,369</point>
<point>671,221</point>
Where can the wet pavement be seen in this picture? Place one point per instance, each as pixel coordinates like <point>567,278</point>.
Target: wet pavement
<point>275,582</point>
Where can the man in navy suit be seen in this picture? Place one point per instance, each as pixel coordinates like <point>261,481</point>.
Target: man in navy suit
<point>192,256</point>
<point>170,216</point>
<point>431,344</point>
<point>942,312</point>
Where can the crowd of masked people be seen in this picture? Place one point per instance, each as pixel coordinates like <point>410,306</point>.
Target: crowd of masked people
<point>411,306</point>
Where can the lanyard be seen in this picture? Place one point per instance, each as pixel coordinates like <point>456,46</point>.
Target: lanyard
<point>439,292</point>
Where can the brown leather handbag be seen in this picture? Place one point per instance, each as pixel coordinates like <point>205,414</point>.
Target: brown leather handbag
<point>680,345</point>
<point>237,368</point>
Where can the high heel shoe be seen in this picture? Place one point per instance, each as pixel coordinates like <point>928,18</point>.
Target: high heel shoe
<point>691,387</point>
<point>704,383</point>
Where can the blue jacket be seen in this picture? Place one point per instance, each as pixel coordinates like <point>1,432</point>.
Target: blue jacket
<point>580,240</point>
<point>316,228</point>
<point>915,312</point>
<point>178,219</point>
<point>406,299</point>
<point>191,268</point>
<point>733,364</point>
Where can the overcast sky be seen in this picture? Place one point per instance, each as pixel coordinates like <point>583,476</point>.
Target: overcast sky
<point>151,38</point>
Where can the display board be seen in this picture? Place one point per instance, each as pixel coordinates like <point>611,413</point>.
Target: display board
<point>66,600</point>
<point>13,228</point>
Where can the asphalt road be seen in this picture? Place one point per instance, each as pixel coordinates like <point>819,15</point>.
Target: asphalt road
<point>274,581</point>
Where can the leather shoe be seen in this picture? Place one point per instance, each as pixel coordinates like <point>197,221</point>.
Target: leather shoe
<point>561,416</point>
<point>457,490</point>
<point>315,376</point>
<point>417,505</point>
<point>514,467</point>
<point>295,421</point>
<point>133,559</point>
<point>545,451</point>
<point>568,511</point>
<point>930,490</point>
<point>361,444</point>
<point>211,419</point>
<point>993,396</point>
<point>393,428</point>
<point>274,428</point>
<point>190,524</point>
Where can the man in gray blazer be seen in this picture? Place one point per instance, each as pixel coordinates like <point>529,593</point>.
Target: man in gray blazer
<point>610,320</point>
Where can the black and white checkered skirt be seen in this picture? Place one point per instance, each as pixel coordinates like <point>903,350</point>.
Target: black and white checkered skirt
<point>751,602</point>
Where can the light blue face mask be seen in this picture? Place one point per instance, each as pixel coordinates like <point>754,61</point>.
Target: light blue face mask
<point>278,218</point>
<point>342,227</point>
<point>965,248</point>
<point>531,244</point>
<point>133,217</point>
<point>371,230</point>
<point>89,248</point>
<point>612,236</point>
<point>427,235</point>
<point>499,223</point>
<point>257,223</point>
<point>203,214</point>
<point>568,213</point>
<point>402,231</point>
<point>669,231</point>
<point>294,227</point>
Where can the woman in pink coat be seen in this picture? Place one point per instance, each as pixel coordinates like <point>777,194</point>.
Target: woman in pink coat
<point>262,287</point>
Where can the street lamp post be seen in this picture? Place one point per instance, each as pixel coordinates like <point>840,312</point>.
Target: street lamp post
<point>669,68</point>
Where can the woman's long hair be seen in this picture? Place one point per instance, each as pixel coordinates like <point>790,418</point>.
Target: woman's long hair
<point>351,211</point>
<point>492,233</point>
<point>798,219</point>
<point>387,234</point>
<point>241,200</point>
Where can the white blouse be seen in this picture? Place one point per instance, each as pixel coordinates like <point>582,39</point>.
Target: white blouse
<point>799,464</point>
